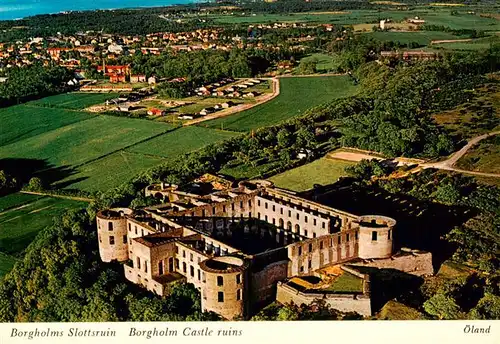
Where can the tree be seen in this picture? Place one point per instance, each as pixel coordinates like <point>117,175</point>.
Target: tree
<point>35,184</point>
<point>442,307</point>
<point>447,194</point>
<point>487,308</point>
<point>308,66</point>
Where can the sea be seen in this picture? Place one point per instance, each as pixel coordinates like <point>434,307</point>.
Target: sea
<point>17,9</point>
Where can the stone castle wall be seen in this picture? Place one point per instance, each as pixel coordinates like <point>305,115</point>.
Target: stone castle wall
<point>313,254</point>
<point>263,282</point>
<point>343,302</point>
<point>419,264</point>
<point>225,287</point>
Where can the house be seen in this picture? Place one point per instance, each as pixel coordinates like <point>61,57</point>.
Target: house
<point>250,95</point>
<point>116,78</point>
<point>206,111</point>
<point>152,80</point>
<point>137,78</point>
<point>156,112</point>
<point>186,116</point>
<point>123,108</point>
<point>108,70</point>
<point>227,105</point>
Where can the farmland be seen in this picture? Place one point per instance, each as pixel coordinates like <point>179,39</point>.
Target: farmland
<point>433,16</point>
<point>20,224</point>
<point>420,37</point>
<point>181,141</point>
<point>323,171</point>
<point>73,101</point>
<point>297,94</point>
<point>324,62</point>
<point>108,172</point>
<point>25,121</point>
<point>476,44</point>
<point>81,142</point>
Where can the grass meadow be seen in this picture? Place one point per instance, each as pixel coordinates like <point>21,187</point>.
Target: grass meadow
<point>420,37</point>
<point>108,172</point>
<point>25,217</point>
<point>323,171</point>
<point>297,94</point>
<point>181,141</point>
<point>325,62</point>
<point>25,121</point>
<point>483,157</point>
<point>73,101</point>
<point>80,142</point>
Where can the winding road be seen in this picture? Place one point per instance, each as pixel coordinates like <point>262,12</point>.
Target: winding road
<point>449,163</point>
<point>358,155</point>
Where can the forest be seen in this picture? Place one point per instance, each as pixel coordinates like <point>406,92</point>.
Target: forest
<point>33,82</point>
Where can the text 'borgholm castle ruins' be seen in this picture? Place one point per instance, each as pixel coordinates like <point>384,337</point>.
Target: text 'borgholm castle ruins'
<point>246,246</point>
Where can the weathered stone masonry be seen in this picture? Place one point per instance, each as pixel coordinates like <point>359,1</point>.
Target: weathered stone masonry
<point>236,245</point>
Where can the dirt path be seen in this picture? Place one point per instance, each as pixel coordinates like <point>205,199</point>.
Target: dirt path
<point>449,163</point>
<point>81,199</point>
<point>231,111</point>
<point>441,165</point>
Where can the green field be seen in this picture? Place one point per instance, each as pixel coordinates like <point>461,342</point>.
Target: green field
<point>6,263</point>
<point>108,172</point>
<point>297,94</point>
<point>476,44</point>
<point>420,37</point>
<point>324,63</point>
<point>25,217</point>
<point>323,171</point>
<point>247,171</point>
<point>26,121</point>
<point>83,141</point>
<point>181,141</point>
<point>483,157</point>
<point>16,200</point>
<point>433,16</point>
<point>21,223</point>
<point>73,101</point>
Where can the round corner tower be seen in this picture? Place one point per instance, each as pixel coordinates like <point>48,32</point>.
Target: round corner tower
<point>375,236</point>
<point>224,287</point>
<point>112,233</point>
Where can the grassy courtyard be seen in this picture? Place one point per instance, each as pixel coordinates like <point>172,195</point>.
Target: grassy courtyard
<point>323,171</point>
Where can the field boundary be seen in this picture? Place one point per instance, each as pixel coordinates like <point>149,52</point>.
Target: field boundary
<point>46,194</point>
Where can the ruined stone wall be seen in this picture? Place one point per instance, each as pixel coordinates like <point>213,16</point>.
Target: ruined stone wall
<point>112,236</point>
<point>376,236</point>
<point>225,290</point>
<point>263,282</point>
<point>419,264</point>
<point>313,254</point>
<point>342,302</point>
